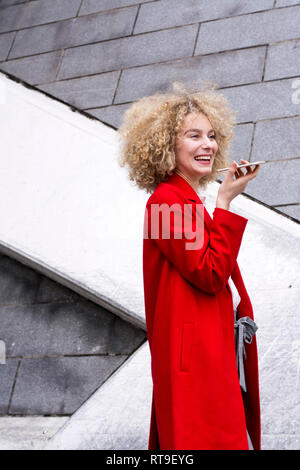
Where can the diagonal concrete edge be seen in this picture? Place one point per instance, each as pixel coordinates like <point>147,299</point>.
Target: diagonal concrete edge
<point>117,415</point>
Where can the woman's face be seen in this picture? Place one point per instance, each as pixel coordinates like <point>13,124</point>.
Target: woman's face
<point>195,147</point>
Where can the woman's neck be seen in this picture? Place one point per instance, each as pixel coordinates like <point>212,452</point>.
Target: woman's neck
<point>194,185</point>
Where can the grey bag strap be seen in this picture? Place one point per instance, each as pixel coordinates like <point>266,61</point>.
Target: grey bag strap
<point>244,330</point>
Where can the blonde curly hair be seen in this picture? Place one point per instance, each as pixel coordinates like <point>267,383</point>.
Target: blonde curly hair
<point>151,125</point>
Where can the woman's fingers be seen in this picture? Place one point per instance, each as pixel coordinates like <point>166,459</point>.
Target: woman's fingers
<point>236,180</point>
<point>239,173</point>
<point>255,171</point>
<point>248,168</point>
<point>250,172</point>
<point>236,173</point>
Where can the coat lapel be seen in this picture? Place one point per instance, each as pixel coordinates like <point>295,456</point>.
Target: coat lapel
<point>189,194</point>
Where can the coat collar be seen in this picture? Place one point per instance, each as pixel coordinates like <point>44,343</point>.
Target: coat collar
<point>189,193</point>
<point>185,187</point>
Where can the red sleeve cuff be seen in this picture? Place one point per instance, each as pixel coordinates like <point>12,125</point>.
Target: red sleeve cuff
<point>236,221</point>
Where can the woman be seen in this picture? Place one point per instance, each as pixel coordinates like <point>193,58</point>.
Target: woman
<point>204,395</point>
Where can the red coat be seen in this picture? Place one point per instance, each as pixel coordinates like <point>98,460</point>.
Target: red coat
<point>197,401</point>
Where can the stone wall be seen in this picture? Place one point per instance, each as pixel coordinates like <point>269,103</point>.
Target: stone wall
<point>59,346</point>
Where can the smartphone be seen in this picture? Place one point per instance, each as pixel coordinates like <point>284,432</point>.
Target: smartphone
<point>244,165</point>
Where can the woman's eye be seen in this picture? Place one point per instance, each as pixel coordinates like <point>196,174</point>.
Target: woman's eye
<point>211,136</point>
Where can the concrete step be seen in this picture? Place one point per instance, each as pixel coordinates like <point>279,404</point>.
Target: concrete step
<point>28,432</point>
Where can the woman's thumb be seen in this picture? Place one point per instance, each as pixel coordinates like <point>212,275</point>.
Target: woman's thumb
<point>234,165</point>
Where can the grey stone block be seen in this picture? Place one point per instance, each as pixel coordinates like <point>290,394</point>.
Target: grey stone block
<point>129,52</point>
<point>59,385</point>
<point>117,415</point>
<point>37,12</point>
<point>283,60</point>
<point>170,13</point>
<point>263,101</point>
<point>286,3</point>
<point>55,328</point>
<point>229,68</point>
<point>85,92</point>
<point>11,17</point>
<point>123,337</point>
<point>7,3</point>
<point>7,377</point>
<point>35,69</point>
<point>277,183</point>
<point>51,291</point>
<point>112,115</point>
<point>68,33</point>
<point>241,143</point>
<point>278,138</point>
<point>62,328</point>
<point>5,44</point>
<point>249,30</point>
<point>92,6</point>
<point>43,11</point>
<point>292,211</point>
<point>18,283</point>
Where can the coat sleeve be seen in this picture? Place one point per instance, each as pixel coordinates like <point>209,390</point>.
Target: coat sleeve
<point>209,265</point>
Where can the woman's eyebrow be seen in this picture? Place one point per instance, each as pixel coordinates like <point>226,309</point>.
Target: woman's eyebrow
<point>197,130</point>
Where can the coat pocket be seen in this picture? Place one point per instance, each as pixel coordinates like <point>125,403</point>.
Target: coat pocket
<point>186,347</point>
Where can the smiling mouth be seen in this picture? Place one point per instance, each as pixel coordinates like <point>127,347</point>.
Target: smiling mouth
<point>203,158</point>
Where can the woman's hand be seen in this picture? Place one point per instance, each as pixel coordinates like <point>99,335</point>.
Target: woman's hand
<point>232,187</point>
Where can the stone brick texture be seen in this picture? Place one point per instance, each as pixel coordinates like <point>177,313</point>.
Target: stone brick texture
<point>100,56</point>
<point>59,346</point>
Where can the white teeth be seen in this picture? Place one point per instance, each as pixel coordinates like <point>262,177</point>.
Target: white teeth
<point>202,158</point>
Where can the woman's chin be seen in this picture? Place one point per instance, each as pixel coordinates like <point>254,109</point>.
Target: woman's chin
<point>204,172</point>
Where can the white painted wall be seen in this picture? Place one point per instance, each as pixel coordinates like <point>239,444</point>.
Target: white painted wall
<point>65,204</point>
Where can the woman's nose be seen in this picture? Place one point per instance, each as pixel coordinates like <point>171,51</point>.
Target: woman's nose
<point>207,143</point>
